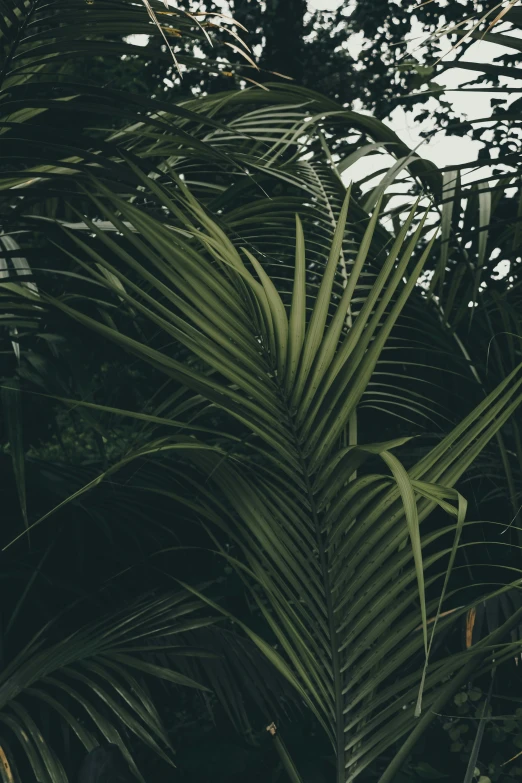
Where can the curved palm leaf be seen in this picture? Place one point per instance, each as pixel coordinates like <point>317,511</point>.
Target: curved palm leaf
<point>315,521</point>
<point>90,680</point>
<point>287,337</point>
<point>42,102</point>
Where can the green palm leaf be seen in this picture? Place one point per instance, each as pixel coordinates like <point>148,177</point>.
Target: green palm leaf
<point>85,679</point>
<point>318,526</point>
<point>43,46</point>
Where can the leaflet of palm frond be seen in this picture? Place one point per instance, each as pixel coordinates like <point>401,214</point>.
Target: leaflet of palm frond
<point>323,549</point>
<point>486,616</point>
<point>39,41</point>
<point>14,266</point>
<point>85,679</point>
<point>35,35</point>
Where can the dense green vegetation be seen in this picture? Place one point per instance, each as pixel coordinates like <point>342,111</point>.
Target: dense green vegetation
<point>260,429</point>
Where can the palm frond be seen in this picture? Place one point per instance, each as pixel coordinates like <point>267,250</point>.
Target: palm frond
<point>43,46</point>
<point>91,681</point>
<point>314,521</point>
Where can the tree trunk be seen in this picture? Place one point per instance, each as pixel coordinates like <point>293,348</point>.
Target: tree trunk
<point>284,30</point>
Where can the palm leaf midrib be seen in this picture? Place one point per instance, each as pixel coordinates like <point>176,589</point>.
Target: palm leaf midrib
<point>321,557</point>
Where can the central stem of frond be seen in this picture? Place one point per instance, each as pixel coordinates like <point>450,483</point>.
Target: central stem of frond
<point>332,626</point>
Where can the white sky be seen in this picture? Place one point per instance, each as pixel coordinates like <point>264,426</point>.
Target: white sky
<point>322,5</point>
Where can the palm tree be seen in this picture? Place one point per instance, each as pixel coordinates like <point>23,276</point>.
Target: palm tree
<point>348,575</point>
<point>171,232</point>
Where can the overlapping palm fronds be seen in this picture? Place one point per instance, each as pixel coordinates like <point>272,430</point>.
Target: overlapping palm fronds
<point>333,531</point>
<point>91,682</point>
<point>53,120</point>
<point>169,230</point>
